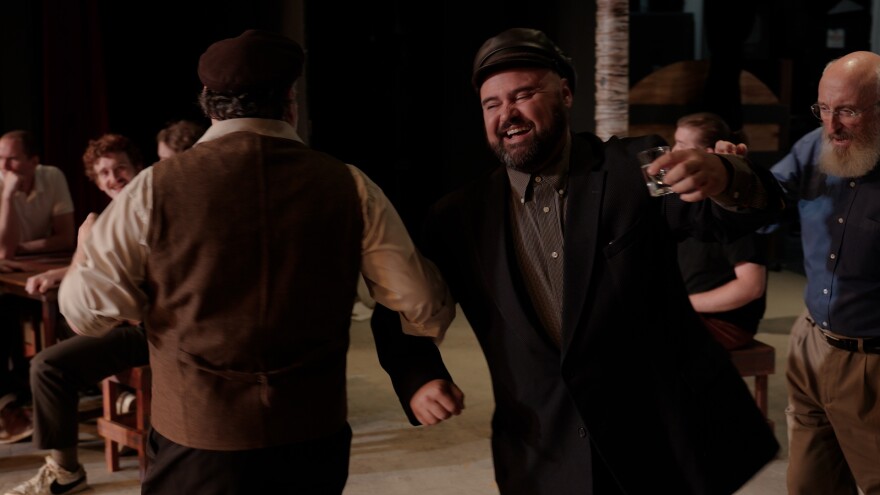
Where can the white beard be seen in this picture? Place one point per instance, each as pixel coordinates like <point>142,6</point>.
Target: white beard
<point>857,161</point>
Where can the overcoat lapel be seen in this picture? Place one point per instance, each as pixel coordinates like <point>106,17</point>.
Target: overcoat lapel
<point>496,258</point>
<point>586,186</point>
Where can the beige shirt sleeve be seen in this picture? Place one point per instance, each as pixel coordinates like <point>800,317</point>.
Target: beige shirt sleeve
<point>105,288</point>
<point>396,273</point>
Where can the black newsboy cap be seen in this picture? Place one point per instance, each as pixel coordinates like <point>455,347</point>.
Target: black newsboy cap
<point>521,47</point>
<point>255,60</point>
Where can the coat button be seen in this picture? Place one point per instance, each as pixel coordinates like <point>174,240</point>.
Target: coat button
<point>582,432</point>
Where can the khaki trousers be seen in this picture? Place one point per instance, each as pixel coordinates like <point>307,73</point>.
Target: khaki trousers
<point>833,415</point>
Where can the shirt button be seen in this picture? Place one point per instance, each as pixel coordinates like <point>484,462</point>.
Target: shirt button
<point>833,256</point>
<point>546,209</point>
<point>852,183</point>
<point>554,254</point>
<point>825,324</point>
<point>824,291</point>
<point>538,179</point>
<point>840,220</point>
<point>582,432</point>
<point>561,192</point>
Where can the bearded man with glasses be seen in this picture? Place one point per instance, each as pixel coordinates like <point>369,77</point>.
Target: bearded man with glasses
<point>833,371</point>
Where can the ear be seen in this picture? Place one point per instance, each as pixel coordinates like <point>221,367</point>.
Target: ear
<point>567,95</point>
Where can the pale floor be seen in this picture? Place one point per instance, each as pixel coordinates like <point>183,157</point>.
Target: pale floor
<point>390,457</point>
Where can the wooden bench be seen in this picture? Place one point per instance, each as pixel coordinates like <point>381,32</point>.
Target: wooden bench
<point>129,429</point>
<point>758,360</point>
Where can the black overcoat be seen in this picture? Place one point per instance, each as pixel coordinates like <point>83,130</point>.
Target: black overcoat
<point>639,387</point>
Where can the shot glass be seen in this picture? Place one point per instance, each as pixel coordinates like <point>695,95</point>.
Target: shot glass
<point>655,183</point>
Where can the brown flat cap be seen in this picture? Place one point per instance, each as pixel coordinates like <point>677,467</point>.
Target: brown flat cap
<point>255,60</point>
<point>521,47</point>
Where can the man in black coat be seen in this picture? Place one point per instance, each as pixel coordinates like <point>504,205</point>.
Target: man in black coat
<point>604,379</point>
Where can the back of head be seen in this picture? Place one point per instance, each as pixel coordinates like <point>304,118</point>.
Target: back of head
<point>110,143</point>
<point>180,135</point>
<point>250,75</point>
<point>709,126</point>
<point>521,47</point>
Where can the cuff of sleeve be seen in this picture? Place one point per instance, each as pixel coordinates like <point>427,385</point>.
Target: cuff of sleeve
<point>744,190</point>
<point>436,325</point>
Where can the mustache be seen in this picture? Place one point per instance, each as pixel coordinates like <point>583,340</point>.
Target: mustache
<point>839,135</point>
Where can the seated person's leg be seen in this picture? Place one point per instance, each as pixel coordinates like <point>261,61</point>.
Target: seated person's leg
<point>58,373</point>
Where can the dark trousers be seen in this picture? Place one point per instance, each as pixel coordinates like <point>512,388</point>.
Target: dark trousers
<point>314,467</point>
<point>60,371</point>
<point>13,363</point>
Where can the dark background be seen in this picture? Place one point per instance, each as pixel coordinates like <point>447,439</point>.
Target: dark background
<point>386,87</point>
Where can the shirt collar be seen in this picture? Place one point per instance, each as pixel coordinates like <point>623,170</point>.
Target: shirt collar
<point>265,127</point>
<point>556,172</point>
<point>37,187</point>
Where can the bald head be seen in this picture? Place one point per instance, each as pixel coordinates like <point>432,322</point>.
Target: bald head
<point>855,73</point>
<point>855,59</point>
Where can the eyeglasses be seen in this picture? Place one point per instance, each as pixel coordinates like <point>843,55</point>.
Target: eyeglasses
<point>845,115</point>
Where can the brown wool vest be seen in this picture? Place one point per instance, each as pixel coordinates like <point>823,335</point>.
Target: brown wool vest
<point>255,249</point>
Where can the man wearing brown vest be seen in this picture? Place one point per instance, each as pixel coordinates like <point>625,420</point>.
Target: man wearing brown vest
<point>242,257</point>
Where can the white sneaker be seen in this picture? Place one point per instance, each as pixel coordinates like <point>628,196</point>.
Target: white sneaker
<point>53,479</point>
<point>125,403</point>
<point>360,312</point>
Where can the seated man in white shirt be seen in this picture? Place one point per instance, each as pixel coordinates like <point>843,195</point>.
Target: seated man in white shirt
<point>36,215</point>
<point>36,212</point>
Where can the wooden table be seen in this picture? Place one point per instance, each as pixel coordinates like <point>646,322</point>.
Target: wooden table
<point>13,283</point>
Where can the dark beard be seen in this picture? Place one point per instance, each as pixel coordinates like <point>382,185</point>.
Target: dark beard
<point>533,155</point>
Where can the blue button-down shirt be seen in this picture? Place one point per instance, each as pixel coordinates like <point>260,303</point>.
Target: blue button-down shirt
<point>840,233</point>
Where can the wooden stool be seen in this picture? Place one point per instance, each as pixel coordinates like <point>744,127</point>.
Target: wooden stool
<point>129,429</point>
<point>758,360</point>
